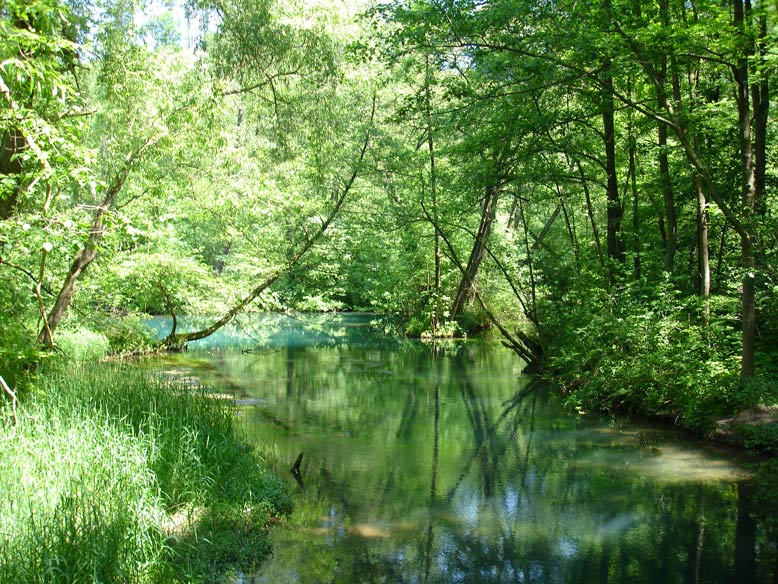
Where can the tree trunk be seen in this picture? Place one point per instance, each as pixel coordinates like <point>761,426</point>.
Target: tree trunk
<point>89,251</point>
<point>635,209</point>
<point>518,341</point>
<point>85,257</point>
<point>488,213</point>
<point>10,165</point>
<point>671,221</point>
<point>570,226</point>
<point>760,94</point>
<point>747,196</point>
<point>434,194</point>
<point>592,218</point>
<point>614,242</point>
<point>530,264</point>
<point>703,251</point>
<point>671,226</point>
<point>178,340</point>
<point>13,142</point>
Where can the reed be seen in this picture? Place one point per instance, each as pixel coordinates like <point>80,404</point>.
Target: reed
<point>100,460</point>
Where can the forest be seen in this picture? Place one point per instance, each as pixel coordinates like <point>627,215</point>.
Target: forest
<point>590,183</point>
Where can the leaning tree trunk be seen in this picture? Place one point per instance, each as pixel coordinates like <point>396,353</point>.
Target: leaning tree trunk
<point>488,214</point>
<point>520,342</point>
<point>89,251</point>
<point>176,341</point>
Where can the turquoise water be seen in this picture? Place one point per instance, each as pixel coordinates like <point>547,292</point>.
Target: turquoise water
<point>441,464</point>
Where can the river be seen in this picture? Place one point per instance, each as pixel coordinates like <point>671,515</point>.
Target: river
<point>443,464</point>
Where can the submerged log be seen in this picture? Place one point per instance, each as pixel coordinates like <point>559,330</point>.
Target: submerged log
<point>295,470</point>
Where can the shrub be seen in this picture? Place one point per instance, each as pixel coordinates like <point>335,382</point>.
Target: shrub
<point>19,354</point>
<point>128,334</point>
<point>650,353</point>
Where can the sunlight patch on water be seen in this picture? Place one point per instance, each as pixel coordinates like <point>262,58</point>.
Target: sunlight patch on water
<point>667,463</point>
<point>370,531</point>
<point>677,464</point>
<point>615,526</point>
<point>365,530</point>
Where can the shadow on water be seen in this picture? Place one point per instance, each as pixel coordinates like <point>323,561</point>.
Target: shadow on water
<point>444,464</point>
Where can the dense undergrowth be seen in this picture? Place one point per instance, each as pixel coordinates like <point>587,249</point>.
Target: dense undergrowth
<point>654,352</point>
<point>110,475</point>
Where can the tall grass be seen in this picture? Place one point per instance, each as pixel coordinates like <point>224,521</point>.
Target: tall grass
<point>98,462</point>
<point>82,345</point>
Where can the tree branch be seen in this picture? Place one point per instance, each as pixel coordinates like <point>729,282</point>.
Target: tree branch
<point>175,341</point>
<point>14,399</point>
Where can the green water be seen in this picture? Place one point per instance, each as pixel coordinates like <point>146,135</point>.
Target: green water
<point>445,464</point>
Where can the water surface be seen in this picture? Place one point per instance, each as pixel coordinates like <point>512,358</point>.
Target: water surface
<point>441,464</point>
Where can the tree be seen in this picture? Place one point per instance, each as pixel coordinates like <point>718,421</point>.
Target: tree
<point>38,52</point>
<point>178,340</point>
<point>41,158</point>
<point>132,119</point>
<point>295,89</point>
<point>586,88</point>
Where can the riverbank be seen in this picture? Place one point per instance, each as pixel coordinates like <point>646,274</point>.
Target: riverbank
<point>113,475</point>
<point>657,354</point>
<point>752,427</point>
<point>755,428</point>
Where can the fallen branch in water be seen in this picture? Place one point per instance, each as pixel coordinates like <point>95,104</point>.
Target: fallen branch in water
<point>295,470</point>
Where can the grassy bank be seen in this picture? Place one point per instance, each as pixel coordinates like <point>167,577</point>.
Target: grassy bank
<point>111,475</point>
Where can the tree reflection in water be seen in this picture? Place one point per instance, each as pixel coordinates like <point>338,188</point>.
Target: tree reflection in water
<point>431,465</point>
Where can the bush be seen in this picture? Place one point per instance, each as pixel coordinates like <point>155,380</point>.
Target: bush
<point>128,334</point>
<point>19,351</point>
<point>318,303</point>
<point>650,353</point>
<point>19,354</point>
